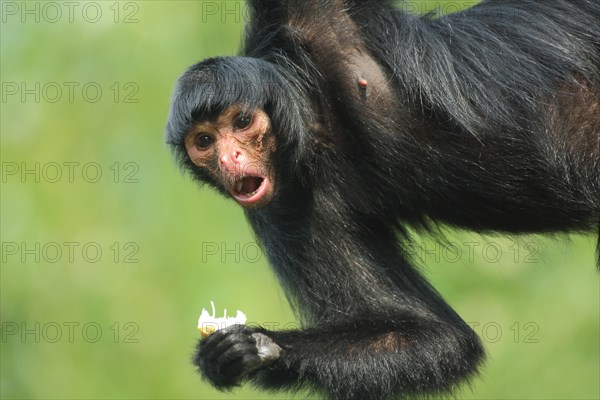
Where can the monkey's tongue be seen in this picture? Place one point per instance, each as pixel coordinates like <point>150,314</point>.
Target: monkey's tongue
<point>248,185</point>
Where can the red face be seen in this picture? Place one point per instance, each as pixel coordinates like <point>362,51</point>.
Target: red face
<point>237,149</point>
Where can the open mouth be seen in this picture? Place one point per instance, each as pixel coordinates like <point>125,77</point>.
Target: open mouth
<point>249,190</point>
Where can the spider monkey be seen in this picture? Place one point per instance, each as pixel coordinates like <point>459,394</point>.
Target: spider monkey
<point>342,123</point>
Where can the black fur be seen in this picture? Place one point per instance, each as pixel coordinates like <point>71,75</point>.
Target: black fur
<point>488,119</point>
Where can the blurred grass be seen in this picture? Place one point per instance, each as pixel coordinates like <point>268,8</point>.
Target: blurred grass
<point>170,222</point>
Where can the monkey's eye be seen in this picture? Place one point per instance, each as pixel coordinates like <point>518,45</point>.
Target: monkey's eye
<point>242,122</point>
<point>203,141</point>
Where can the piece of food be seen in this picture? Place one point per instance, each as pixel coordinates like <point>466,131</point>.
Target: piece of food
<point>208,324</point>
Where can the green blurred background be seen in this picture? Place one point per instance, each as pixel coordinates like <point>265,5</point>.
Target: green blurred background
<point>109,253</point>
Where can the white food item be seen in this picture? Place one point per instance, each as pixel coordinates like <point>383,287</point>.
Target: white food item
<point>208,324</point>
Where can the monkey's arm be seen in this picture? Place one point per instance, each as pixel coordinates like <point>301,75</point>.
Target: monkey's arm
<point>366,358</point>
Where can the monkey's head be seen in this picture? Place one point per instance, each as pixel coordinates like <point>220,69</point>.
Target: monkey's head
<point>234,124</point>
<point>236,148</point>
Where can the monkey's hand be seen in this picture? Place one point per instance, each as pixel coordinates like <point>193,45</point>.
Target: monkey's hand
<point>227,356</point>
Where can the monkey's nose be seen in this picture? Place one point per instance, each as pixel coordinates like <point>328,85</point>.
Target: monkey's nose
<point>230,160</point>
